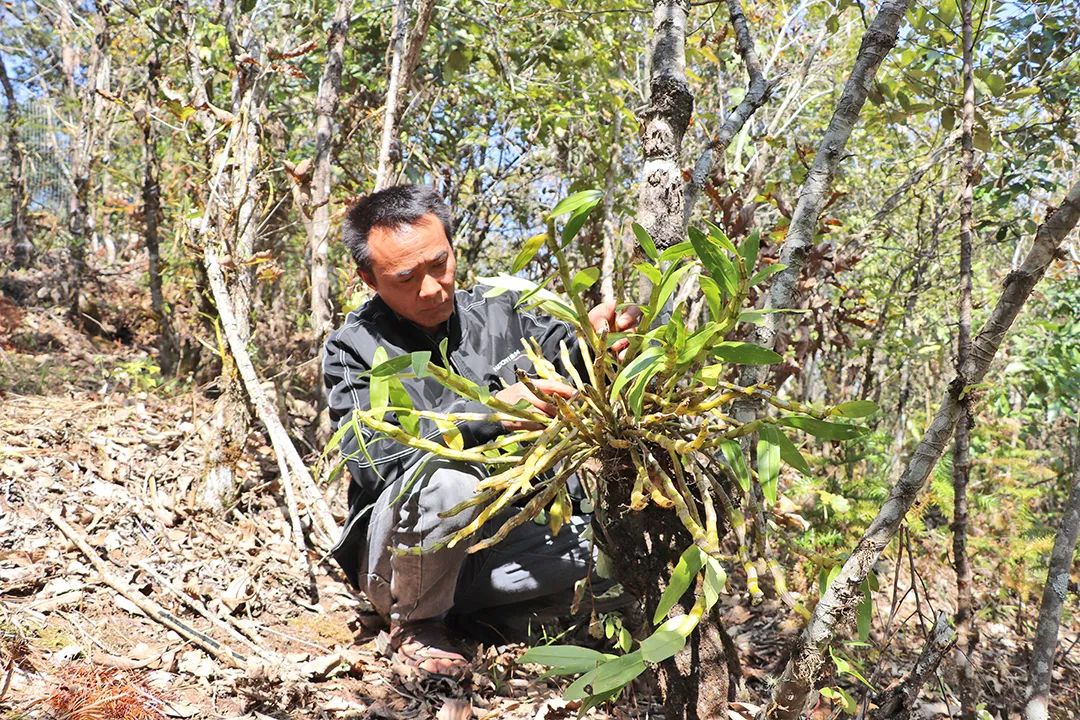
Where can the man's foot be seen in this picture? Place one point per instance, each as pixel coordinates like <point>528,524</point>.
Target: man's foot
<point>426,646</point>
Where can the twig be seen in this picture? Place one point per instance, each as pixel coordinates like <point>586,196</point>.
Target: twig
<point>8,672</point>
<point>896,701</point>
<point>758,90</point>
<point>201,609</point>
<point>153,610</point>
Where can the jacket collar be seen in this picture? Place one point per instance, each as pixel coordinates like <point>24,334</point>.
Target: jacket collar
<point>415,337</point>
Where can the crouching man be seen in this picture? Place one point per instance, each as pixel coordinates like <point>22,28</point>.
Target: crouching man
<point>400,239</point>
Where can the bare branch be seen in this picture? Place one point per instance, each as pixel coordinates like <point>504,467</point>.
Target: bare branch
<point>152,609</point>
<point>878,40</point>
<point>404,54</point>
<point>896,702</point>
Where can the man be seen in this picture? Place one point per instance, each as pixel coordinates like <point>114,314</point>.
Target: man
<point>400,239</point>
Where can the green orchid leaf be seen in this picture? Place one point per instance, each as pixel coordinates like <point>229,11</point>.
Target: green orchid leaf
<point>744,353</point>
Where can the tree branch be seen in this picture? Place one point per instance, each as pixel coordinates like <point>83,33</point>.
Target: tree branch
<point>758,90</point>
<point>404,55</point>
<point>878,40</point>
<point>896,702</point>
<point>1044,644</point>
<point>844,593</point>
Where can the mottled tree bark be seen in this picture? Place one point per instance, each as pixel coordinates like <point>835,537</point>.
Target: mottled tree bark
<point>837,605</point>
<point>1044,645</point>
<point>966,633</point>
<point>290,464</point>
<point>644,545</point>
<point>22,248</point>
<point>663,125</point>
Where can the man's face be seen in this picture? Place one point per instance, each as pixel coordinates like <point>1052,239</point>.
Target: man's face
<point>412,270</point>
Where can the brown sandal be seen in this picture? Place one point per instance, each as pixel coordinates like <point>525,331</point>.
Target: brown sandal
<point>427,647</point>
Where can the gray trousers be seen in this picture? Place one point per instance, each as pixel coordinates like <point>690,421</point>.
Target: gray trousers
<point>528,564</point>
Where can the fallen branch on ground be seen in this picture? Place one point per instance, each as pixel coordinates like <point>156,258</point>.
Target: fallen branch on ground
<point>213,619</point>
<point>153,610</point>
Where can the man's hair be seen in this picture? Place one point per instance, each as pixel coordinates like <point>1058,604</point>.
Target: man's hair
<point>392,208</point>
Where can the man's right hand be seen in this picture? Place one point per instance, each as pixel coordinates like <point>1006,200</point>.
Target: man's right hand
<point>518,391</point>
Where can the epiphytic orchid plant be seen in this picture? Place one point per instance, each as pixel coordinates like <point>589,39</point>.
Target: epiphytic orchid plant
<point>665,404</point>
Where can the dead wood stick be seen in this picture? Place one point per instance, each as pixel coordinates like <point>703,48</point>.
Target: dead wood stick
<point>201,609</point>
<point>896,702</point>
<point>8,672</point>
<point>154,611</point>
<point>288,459</point>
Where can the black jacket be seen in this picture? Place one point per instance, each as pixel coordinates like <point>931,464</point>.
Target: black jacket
<point>484,344</point>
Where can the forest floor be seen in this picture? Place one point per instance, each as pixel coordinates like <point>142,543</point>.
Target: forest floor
<point>89,434</point>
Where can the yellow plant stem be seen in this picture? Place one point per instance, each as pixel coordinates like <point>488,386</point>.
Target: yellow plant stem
<point>711,526</point>
<point>753,586</point>
<point>682,511</point>
<point>471,455</point>
<point>706,406</point>
<point>564,355</point>
<point>567,412</point>
<point>679,481</point>
<point>786,596</point>
<point>528,512</point>
<point>461,387</point>
<point>478,499</point>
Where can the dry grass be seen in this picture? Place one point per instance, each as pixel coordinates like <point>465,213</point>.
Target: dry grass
<point>86,692</point>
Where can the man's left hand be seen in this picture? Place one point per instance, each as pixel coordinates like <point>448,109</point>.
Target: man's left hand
<point>605,318</point>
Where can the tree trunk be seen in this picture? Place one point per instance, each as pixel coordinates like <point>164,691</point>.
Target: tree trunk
<point>1044,645</point>
<point>85,140</point>
<point>663,124</point>
<point>311,189</point>
<point>290,464</point>
<point>796,685</point>
<point>231,203</point>
<point>645,545</point>
<point>319,210</point>
<point>151,211</point>
<point>966,633</point>
<point>879,39</point>
<point>404,53</point>
<point>22,248</point>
